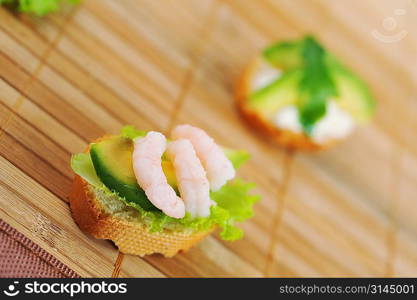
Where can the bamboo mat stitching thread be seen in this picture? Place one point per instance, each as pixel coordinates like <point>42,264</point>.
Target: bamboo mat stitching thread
<point>117,265</point>
<point>279,211</point>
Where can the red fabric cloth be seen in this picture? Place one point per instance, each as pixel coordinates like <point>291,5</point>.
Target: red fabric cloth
<point>20,257</point>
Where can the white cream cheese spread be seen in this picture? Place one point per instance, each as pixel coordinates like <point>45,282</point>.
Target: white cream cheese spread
<point>335,124</point>
<point>264,75</point>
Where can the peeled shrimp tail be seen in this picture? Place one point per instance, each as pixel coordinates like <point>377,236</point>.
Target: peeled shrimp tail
<point>218,167</point>
<point>191,177</point>
<point>150,176</point>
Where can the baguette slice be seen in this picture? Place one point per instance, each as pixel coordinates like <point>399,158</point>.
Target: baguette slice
<point>104,217</point>
<point>285,138</point>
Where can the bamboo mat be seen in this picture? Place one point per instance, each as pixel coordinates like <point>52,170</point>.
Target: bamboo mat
<point>71,77</point>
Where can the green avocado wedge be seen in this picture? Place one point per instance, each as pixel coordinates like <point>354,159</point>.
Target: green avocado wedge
<point>353,94</point>
<point>112,160</point>
<point>284,55</point>
<point>276,95</point>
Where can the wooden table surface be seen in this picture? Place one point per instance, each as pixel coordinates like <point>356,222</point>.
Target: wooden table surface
<point>71,77</point>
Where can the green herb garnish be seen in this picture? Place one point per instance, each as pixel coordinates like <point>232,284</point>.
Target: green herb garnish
<point>316,84</point>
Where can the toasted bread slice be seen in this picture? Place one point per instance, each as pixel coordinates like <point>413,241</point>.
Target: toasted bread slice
<point>106,217</point>
<point>284,138</point>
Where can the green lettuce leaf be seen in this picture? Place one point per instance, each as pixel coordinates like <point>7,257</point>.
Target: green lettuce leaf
<point>37,7</point>
<point>235,198</point>
<point>233,201</point>
<point>237,157</point>
<point>129,131</point>
<point>82,165</point>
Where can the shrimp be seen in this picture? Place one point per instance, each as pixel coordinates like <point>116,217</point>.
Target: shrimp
<point>191,177</point>
<point>150,176</point>
<point>218,167</point>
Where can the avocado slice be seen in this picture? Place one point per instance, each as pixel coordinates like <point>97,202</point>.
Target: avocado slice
<point>282,92</point>
<point>353,94</point>
<point>284,55</point>
<point>112,160</point>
